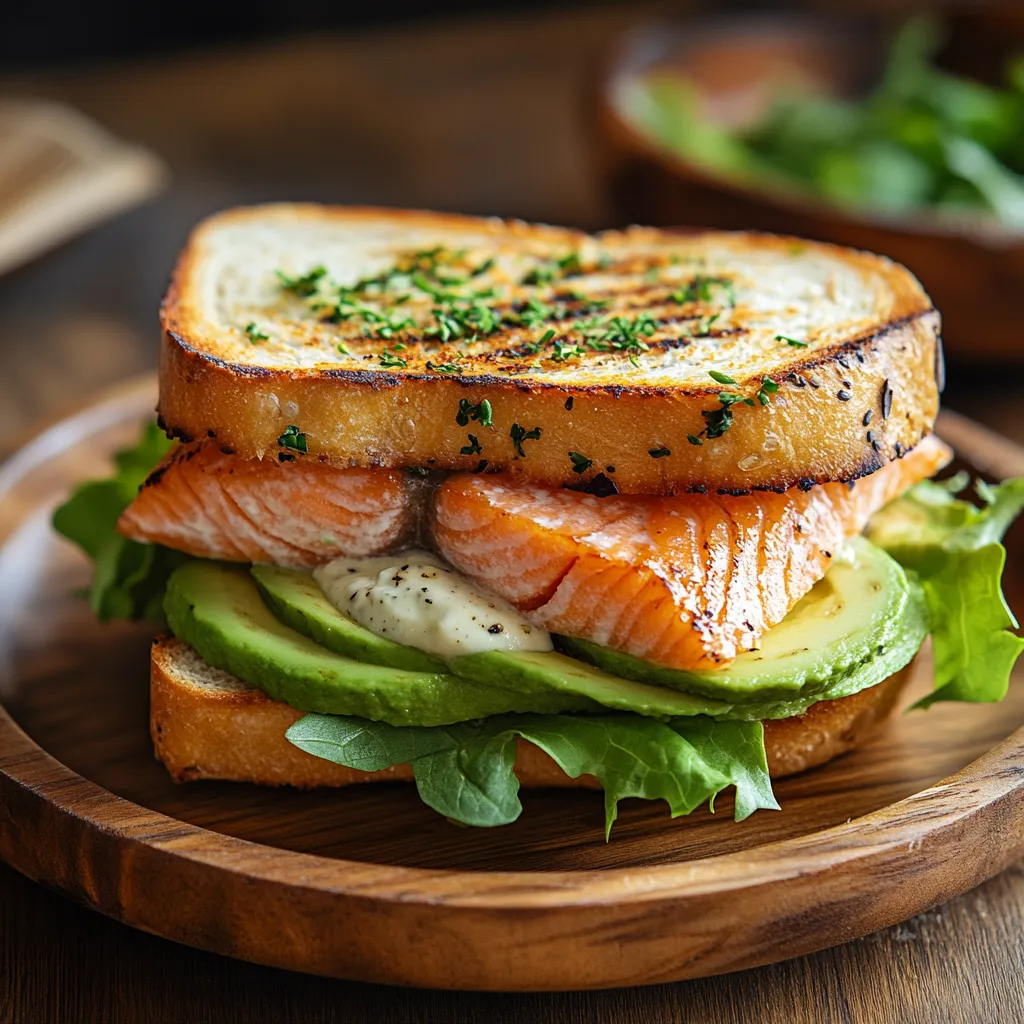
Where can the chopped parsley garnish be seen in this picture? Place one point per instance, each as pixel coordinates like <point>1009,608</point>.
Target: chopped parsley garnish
<point>659,453</point>
<point>255,335</point>
<point>694,439</point>
<point>520,434</point>
<point>721,378</point>
<point>533,314</point>
<point>703,325</point>
<point>718,421</point>
<point>389,360</point>
<point>443,367</point>
<point>564,351</point>
<point>481,412</point>
<point>473,448</point>
<point>580,463</point>
<point>767,389</point>
<point>304,285</point>
<point>343,348</point>
<point>700,289</point>
<point>293,438</point>
<point>791,341</point>
<point>545,273</point>
<point>627,335</point>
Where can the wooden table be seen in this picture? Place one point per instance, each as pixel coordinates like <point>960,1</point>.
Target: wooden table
<point>484,117</point>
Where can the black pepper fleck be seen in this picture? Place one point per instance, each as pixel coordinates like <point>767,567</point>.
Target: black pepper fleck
<point>496,628</point>
<point>867,416</point>
<point>886,399</point>
<point>843,396</point>
<point>568,404</point>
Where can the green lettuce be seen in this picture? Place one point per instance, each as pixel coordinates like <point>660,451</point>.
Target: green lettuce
<point>465,771</point>
<point>954,549</point>
<point>129,578</point>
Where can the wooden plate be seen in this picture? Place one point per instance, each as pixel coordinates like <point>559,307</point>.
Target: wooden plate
<point>369,884</point>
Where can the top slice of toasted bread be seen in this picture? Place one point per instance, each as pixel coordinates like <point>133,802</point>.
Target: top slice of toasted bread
<point>594,353</point>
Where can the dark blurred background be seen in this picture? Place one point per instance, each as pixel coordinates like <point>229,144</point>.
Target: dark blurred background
<point>483,108</point>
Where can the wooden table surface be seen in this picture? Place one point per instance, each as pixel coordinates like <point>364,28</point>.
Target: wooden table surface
<point>487,117</point>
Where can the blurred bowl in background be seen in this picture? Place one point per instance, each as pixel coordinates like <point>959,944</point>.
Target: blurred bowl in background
<point>971,265</point>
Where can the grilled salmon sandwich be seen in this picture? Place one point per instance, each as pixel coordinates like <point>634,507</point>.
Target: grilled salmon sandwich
<point>481,503</point>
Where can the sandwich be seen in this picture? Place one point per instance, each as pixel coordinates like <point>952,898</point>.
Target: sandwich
<point>483,504</point>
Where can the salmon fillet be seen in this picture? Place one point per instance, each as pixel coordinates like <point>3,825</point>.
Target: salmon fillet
<point>210,504</point>
<point>688,581</point>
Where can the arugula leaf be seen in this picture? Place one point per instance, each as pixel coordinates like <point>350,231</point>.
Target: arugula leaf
<point>465,771</point>
<point>128,578</point>
<point>953,548</point>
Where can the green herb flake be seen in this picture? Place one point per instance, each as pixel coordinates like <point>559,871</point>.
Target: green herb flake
<point>694,439</point>
<point>343,348</point>
<point>443,367</point>
<point>389,360</point>
<point>767,389</point>
<point>520,434</point>
<point>721,378</point>
<point>255,335</point>
<point>304,285</point>
<point>473,448</point>
<point>793,342</point>
<point>580,463</point>
<point>565,350</point>
<point>293,438</point>
<point>481,412</point>
<point>701,289</point>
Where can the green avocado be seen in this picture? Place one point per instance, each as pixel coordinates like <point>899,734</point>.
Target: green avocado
<point>297,600</point>
<point>862,613</point>
<point>218,611</point>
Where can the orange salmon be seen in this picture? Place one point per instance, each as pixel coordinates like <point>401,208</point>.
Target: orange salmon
<point>687,581</point>
<point>295,513</point>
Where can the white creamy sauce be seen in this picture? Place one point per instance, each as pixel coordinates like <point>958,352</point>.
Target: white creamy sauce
<point>415,599</point>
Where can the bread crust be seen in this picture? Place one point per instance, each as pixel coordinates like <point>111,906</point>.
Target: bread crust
<point>238,734</point>
<point>814,429</point>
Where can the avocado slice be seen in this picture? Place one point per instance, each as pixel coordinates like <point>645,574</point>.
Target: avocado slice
<point>863,608</point>
<point>218,611</point>
<point>297,600</point>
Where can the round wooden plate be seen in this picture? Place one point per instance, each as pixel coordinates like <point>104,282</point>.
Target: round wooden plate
<point>370,884</point>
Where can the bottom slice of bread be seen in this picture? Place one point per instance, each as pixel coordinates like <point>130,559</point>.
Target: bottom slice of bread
<point>206,724</point>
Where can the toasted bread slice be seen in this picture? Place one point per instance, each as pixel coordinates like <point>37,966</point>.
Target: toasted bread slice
<point>206,724</point>
<point>593,352</point>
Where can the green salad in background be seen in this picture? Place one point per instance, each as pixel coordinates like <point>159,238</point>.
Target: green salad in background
<point>923,138</point>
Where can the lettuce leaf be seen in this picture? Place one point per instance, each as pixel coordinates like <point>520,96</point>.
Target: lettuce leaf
<point>953,548</point>
<point>465,771</point>
<point>128,578</point>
